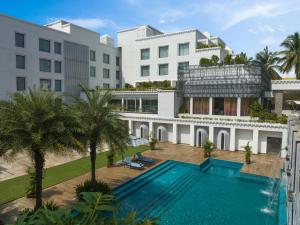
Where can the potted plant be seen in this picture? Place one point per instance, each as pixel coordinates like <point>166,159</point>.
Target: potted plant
<point>247,153</point>
<point>208,147</point>
<point>153,142</point>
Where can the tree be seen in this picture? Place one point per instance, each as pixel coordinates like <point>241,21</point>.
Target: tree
<point>100,124</point>
<point>37,122</point>
<point>269,61</point>
<point>228,60</point>
<point>241,58</point>
<point>291,54</point>
<point>208,148</point>
<point>215,60</point>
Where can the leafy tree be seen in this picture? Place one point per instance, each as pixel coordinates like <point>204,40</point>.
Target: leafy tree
<point>228,60</point>
<point>100,124</point>
<point>241,58</point>
<point>208,147</point>
<point>37,122</point>
<point>215,60</point>
<point>269,61</point>
<point>291,54</point>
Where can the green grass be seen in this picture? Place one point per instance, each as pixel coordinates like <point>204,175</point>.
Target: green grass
<point>15,188</point>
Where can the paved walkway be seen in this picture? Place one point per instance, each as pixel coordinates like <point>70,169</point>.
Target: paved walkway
<point>63,194</point>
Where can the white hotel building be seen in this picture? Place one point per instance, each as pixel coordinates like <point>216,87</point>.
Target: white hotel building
<point>208,103</point>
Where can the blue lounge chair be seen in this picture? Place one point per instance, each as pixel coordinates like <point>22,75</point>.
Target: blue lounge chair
<point>133,165</point>
<point>143,159</point>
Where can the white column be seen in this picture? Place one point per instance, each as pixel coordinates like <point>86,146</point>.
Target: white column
<point>192,135</point>
<point>238,105</point>
<point>191,105</point>
<point>151,134</point>
<point>130,127</point>
<point>140,105</point>
<point>211,134</point>
<point>210,106</point>
<point>255,141</point>
<point>284,143</point>
<point>175,137</point>
<point>122,103</point>
<point>232,139</point>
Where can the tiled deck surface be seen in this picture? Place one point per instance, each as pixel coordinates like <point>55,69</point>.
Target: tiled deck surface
<point>63,194</point>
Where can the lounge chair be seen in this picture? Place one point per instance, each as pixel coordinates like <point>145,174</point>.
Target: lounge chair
<point>144,159</point>
<point>133,165</point>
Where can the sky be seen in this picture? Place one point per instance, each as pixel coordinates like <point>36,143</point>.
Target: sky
<point>245,25</point>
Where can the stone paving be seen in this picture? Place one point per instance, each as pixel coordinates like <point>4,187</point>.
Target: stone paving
<point>63,193</point>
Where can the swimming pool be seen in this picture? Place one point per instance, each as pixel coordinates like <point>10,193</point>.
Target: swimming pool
<point>212,193</point>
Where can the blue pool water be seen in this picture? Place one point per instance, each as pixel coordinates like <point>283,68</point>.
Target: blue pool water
<point>214,193</point>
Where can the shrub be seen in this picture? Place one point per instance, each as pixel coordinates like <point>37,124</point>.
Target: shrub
<point>247,153</point>
<point>128,85</point>
<point>152,143</point>
<point>89,186</point>
<point>208,147</point>
<point>228,60</point>
<point>215,60</point>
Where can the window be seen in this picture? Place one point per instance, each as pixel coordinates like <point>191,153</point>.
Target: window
<point>20,61</point>
<point>21,85</point>
<point>57,67</point>
<point>145,54</point>
<point>45,65</point>
<point>19,40</point>
<point>45,84</point>
<point>106,73</point>
<point>44,45</point>
<point>118,61</point>
<point>92,56</point>
<point>163,69</point>
<point>105,58</point>
<point>92,71</point>
<point>117,75</point>
<point>105,86</point>
<point>145,71</point>
<point>118,86</point>
<point>58,85</point>
<point>57,48</point>
<point>163,51</point>
<point>183,49</point>
<point>182,66</point>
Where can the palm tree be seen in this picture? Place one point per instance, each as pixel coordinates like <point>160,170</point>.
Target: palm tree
<point>37,122</point>
<point>291,55</point>
<point>101,125</point>
<point>269,61</point>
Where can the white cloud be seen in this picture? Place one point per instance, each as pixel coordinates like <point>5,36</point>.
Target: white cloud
<point>270,41</point>
<point>162,21</point>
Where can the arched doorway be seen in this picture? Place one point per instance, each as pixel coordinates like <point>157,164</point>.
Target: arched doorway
<point>144,131</point>
<point>162,134</point>
<point>223,140</point>
<point>201,137</point>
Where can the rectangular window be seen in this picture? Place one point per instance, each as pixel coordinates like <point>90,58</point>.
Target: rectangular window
<point>183,49</point>
<point>163,51</point>
<point>105,58</point>
<point>145,71</point>
<point>20,40</point>
<point>117,75</point>
<point>105,86</point>
<point>57,48</point>
<point>20,61</point>
<point>45,65</point>
<point>145,53</point>
<point>58,86</point>
<point>118,61</point>
<point>182,66</point>
<point>106,73</point>
<point>21,83</point>
<point>45,84</point>
<point>92,56</point>
<point>44,45</point>
<point>57,67</point>
<point>92,71</point>
<point>163,69</point>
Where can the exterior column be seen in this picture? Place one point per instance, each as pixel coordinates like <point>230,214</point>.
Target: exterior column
<point>122,104</point>
<point>278,103</point>
<point>130,127</point>
<point>239,105</point>
<point>255,141</point>
<point>232,139</point>
<point>151,134</point>
<point>284,143</point>
<point>210,112</point>
<point>192,135</point>
<point>140,105</point>
<point>191,105</point>
<point>175,137</point>
<point>211,134</point>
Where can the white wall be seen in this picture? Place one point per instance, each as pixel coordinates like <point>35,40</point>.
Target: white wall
<point>263,135</point>
<point>166,104</point>
<point>183,134</point>
<point>242,138</point>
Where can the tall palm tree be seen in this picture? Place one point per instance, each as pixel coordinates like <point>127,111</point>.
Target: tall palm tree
<point>269,61</point>
<point>291,55</point>
<point>37,122</point>
<point>101,125</point>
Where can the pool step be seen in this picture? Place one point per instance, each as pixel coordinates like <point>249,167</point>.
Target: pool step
<point>142,180</point>
<point>161,201</point>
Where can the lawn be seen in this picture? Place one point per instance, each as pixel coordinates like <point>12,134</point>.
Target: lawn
<point>15,188</point>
